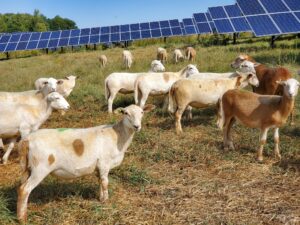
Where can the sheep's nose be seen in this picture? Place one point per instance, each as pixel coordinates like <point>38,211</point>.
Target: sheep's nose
<point>136,127</point>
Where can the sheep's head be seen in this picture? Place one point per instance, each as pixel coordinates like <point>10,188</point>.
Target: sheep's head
<point>191,69</point>
<point>239,60</point>
<point>290,87</point>
<point>57,101</point>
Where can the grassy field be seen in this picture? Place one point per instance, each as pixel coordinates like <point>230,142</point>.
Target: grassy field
<point>165,178</point>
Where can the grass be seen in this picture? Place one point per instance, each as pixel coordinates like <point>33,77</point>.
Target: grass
<point>165,178</point>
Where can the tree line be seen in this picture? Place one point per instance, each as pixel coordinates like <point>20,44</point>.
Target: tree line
<point>23,22</point>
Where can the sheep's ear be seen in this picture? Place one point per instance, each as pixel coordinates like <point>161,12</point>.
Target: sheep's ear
<point>119,111</point>
<point>77,77</point>
<point>250,75</point>
<point>280,82</point>
<point>149,107</point>
<point>67,78</point>
<point>60,82</point>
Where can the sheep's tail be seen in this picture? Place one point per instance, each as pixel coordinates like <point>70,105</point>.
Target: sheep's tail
<point>172,100</point>
<point>23,149</point>
<point>107,92</point>
<point>136,92</point>
<point>221,115</point>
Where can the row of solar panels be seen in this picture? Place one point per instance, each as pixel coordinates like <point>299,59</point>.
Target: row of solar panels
<point>262,17</point>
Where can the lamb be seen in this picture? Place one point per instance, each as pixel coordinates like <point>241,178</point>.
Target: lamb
<point>127,59</point>
<point>257,111</point>
<point>157,66</point>
<point>103,60</point>
<point>190,54</point>
<point>18,120</point>
<point>201,93</point>
<point>72,153</point>
<point>66,85</point>
<point>178,56</point>
<point>158,84</point>
<point>162,55</point>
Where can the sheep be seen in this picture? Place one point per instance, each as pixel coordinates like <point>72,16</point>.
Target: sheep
<point>201,93</point>
<point>190,54</point>
<point>162,55</point>
<point>157,66</point>
<point>158,84</point>
<point>257,111</point>
<point>127,59</point>
<point>18,120</point>
<point>177,56</point>
<point>51,82</point>
<point>103,60</point>
<point>72,153</point>
<point>66,85</point>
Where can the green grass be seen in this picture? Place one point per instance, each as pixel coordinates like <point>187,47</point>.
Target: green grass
<point>165,178</point>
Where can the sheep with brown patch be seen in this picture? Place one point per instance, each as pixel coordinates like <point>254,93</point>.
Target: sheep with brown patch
<point>190,54</point>
<point>257,111</point>
<point>72,153</point>
<point>162,55</point>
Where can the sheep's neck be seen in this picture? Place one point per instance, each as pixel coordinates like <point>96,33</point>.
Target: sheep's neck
<point>124,135</point>
<point>286,106</point>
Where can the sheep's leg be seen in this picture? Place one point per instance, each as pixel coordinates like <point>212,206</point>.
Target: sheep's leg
<point>143,99</point>
<point>229,137</point>
<point>263,139</point>
<point>110,100</point>
<point>292,117</point>
<point>1,144</point>
<point>103,179</point>
<point>189,114</point>
<point>226,131</point>
<point>36,177</point>
<point>276,140</point>
<point>178,116</point>
<point>166,103</point>
<point>8,151</point>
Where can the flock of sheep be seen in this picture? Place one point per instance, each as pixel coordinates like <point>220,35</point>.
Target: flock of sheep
<point>71,153</point>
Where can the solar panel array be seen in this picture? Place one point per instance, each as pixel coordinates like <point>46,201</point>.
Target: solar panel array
<point>262,17</point>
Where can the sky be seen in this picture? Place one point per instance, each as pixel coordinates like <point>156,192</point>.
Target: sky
<point>93,13</point>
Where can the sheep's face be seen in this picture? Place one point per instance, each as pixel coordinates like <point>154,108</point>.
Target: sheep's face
<point>238,61</point>
<point>191,69</point>
<point>133,115</point>
<point>248,78</point>
<point>247,67</point>
<point>57,101</point>
<point>290,87</point>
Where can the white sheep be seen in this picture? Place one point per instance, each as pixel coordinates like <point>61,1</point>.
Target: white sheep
<point>103,60</point>
<point>127,59</point>
<point>177,56</point>
<point>157,66</point>
<point>65,86</point>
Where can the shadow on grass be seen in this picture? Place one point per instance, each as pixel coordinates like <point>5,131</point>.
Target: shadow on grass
<point>289,165</point>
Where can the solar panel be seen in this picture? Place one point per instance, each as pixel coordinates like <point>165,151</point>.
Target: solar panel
<point>115,37</point>
<point>262,25</point>
<point>32,45</point>
<point>273,6</point>
<point>94,39</point>
<point>146,34</point>
<point>286,22</point>
<point>145,26</point>
<point>22,45</point>
<point>125,28</point>
<point>202,23</point>
<point>189,26</point>
<point>252,7</point>
<point>95,31</point>
<point>125,36</point>
<point>25,37</point>
<point>233,11</point>
<point>294,5</point>
<point>224,26</point>
<point>217,12</point>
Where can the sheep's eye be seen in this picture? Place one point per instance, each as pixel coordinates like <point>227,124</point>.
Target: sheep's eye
<point>126,113</point>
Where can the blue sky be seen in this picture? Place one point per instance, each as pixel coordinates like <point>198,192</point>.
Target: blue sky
<point>91,13</point>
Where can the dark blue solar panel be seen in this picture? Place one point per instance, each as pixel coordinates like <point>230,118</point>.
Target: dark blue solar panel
<point>84,40</point>
<point>174,23</point>
<point>25,37</point>
<point>190,30</point>
<point>32,45</point>
<point>145,26</point>
<point>146,34</point>
<point>115,29</point>
<point>154,25</point>
<point>115,37</point>
<point>286,22</point>
<point>2,47</point>
<point>135,35</point>
<point>155,33</point>
<point>95,39</point>
<point>208,16</point>
<point>75,33</point>
<point>217,12</point>
<point>134,27</point>
<point>176,31</point>
<point>233,11</point>
<point>124,28</point>
<point>273,6</point>
<point>55,35</point>
<point>22,45</point>
<point>42,44</point>
<point>104,30</point>
<point>251,7</point>
<point>203,28</point>
<point>104,38</point>
<point>188,22</point>
<point>125,36</point>
<point>74,41</point>
<point>223,26</point>
<point>35,36</point>
<point>240,24</point>
<point>297,14</point>
<point>5,39</point>
<point>262,25</point>
<point>85,31</point>
<point>166,32</point>
<point>294,5</point>
<point>65,34</point>
<point>95,31</point>
<point>45,35</point>
<point>15,38</point>
<point>11,47</point>
<point>200,17</point>
<point>63,42</point>
<point>53,43</point>
<point>213,27</point>
<point>164,24</point>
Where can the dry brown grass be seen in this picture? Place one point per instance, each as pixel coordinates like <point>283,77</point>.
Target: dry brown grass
<point>164,179</point>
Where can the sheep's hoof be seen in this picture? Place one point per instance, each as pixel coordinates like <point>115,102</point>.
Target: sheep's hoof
<point>278,156</point>
<point>103,199</point>
<point>292,123</point>
<point>260,159</point>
